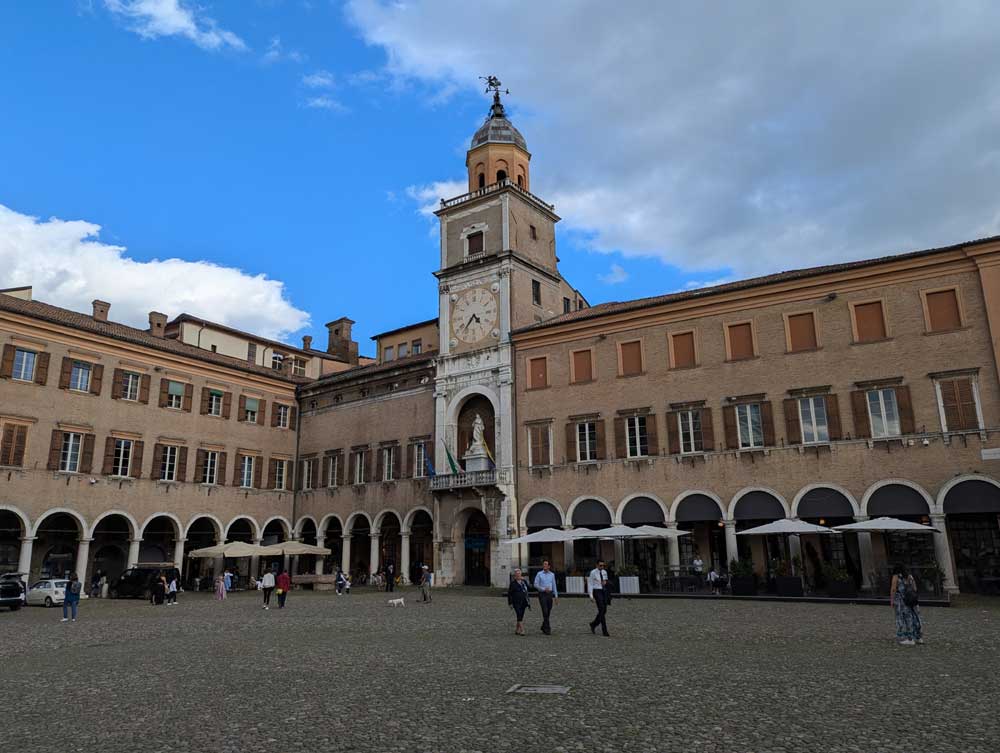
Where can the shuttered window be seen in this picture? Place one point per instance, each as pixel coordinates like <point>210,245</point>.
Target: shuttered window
<point>79,378</point>
<point>869,321</point>
<point>801,332</point>
<point>689,431</point>
<point>883,412</point>
<point>586,441</point>
<point>23,368</point>
<point>813,420</point>
<point>475,243</point>
<point>636,437</point>
<point>582,367</point>
<point>538,445</point>
<point>682,350</point>
<point>13,439</point>
<point>942,311</point>
<point>280,473</point>
<point>168,463</point>
<point>69,456</point>
<point>749,426</point>
<point>538,375</point>
<point>958,402</point>
<point>740,341</point>
<point>631,355</point>
<point>175,395</point>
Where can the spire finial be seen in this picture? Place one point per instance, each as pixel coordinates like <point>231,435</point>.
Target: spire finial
<point>493,85</point>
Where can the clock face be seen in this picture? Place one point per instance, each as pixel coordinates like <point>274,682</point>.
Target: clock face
<point>474,315</point>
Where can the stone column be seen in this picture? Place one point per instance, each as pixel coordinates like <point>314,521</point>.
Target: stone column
<point>732,550</point>
<point>345,555</point>
<point>795,550</point>
<point>179,558</point>
<point>255,560</point>
<point>24,561</point>
<point>373,566</point>
<point>319,565</point>
<point>673,551</point>
<point>133,552</point>
<point>942,552</point>
<point>867,557</point>
<point>82,555</point>
<point>569,555</point>
<point>404,557</point>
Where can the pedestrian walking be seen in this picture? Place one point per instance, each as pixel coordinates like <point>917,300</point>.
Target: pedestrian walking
<point>95,585</point>
<point>172,590</point>
<point>545,584</point>
<point>267,586</point>
<point>158,590</point>
<point>228,577</point>
<point>598,588</point>
<point>425,584</point>
<point>390,577</point>
<point>72,598</point>
<point>517,599</point>
<point>284,584</point>
<point>220,588</point>
<point>105,586</point>
<point>341,582</point>
<point>905,603</point>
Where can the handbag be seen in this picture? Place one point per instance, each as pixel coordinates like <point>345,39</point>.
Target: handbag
<point>279,592</point>
<point>910,598</point>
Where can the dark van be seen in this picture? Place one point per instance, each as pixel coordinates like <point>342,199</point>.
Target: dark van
<point>137,582</point>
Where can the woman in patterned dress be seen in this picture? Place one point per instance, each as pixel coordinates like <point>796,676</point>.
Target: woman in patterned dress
<point>220,588</point>
<point>909,630</point>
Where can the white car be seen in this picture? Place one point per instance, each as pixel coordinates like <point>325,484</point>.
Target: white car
<point>49,592</point>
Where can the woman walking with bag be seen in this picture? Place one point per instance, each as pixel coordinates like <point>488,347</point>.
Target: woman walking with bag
<point>904,601</point>
<point>517,598</point>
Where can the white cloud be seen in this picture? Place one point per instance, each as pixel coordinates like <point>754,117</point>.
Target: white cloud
<point>428,197</point>
<point>166,18</point>
<point>318,80</point>
<point>68,266</point>
<point>727,137</point>
<point>323,102</point>
<point>697,284</point>
<point>276,53</point>
<point>615,275</point>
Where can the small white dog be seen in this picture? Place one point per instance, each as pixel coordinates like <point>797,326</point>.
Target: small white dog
<point>400,602</point>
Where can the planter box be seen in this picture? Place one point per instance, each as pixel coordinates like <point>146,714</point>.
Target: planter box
<point>788,585</point>
<point>576,584</point>
<point>628,584</point>
<point>744,586</point>
<point>843,589</point>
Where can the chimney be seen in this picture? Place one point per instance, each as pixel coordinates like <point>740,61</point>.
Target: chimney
<point>100,310</point>
<point>307,342</point>
<point>339,343</point>
<point>157,323</point>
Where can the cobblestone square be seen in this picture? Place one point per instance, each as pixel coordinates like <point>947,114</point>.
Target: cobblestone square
<point>352,674</point>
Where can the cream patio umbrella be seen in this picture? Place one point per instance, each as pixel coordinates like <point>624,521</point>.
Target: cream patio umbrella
<point>788,527</point>
<point>293,548</point>
<point>232,549</point>
<point>545,536</point>
<point>886,525</point>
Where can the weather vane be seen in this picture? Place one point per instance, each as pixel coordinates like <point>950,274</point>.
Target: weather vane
<point>493,84</point>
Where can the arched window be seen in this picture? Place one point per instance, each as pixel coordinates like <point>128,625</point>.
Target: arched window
<point>482,180</point>
<point>501,175</point>
<point>520,181</point>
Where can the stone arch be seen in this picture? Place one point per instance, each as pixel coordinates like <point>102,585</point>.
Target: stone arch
<point>473,566</point>
<point>84,531</point>
<point>219,528</point>
<point>324,524</point>
<point>352,519</point>
<point>133,525</point>
<point>541,500</point>
<point>25,523</point>
<point>750,490</point>
<point>675,505</point>
<point>951,484</point>
<point>866,499</point>
<point>285,525</point>
<point>254,530</point>
<point>639,495</point>
<point>579,500</point>
<point>301,521</point>
<point>821,485</point>
<point>178,526</point>
<point>455,406</point>
<point>408,520</point>
<point>377,524</point>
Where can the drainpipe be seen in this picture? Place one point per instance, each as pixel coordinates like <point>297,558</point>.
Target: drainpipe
<point>295,459</point>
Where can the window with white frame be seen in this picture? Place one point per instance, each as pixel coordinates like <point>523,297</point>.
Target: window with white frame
<point>749,426</point>
<point>24,365</point>
<point>333,469</point>
<point>168,463</point>
<point>130,385</point>
<point>246,471</point>
<point>280,473</point>
<point>812,416</point>
<point>215,399</point>
<point>883,413</point>
<point>298,367</point>
<point>689,431</point>
<point>250,409</point>
<point>636,441</point>
<point>403,350</point>
<point>419,460</point>
<point>277,361</point>
<point>388,456</point>
<point>387,353</point>
<point>417,347</point>
<point>175,395</point>
<point>586,441</point>
<point>284,411</point>
<point>69,456</point>
<point>122,462</point>
<point>308,468</point>
<point>210,473</point>
<point>79,376</point>
<point>359,467</point>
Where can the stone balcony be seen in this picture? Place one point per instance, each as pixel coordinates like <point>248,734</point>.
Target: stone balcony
<point>470,479</point>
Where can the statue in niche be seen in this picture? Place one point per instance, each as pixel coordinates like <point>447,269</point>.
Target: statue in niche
<point>478,429</point>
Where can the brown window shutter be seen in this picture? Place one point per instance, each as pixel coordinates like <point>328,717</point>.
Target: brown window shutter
<point>236,469</point>
<point>324,471</point>
<point>156,472</point>
<point>341,469</point>
<point>293,417</point>
<point>109,456</point>
<point>262,412</point>
<point>707,430</point>
<point>767,419</point>
<point>571,442</point>
<point>55,449</point>
<point>409,470</point>
<point>227,403</point>
<point>905,405</point>
<point>222,469</point>
<point>652,438</point>
<point>116,384</point>
<point>673,435</point>
<point>620,449</point>
<point>869,320</point>
<point>582,371</point>
<point>7,445</point>
<point>144,389</point>
<point>7,362</point>
<point>729,427</point>
<point>942,309</point>
<point>42,368</point>
<point>274,414</point>
<point>802,332</point>
<point>258,471</point>
<point>87,456</point>
<point>241,414</point>
<point>859,408</point>
<point>206,395</point>
<point>379,470</point>
<point>949,403</point>
<point>833,418</point>
<point>475,243</point>
<point>188,398</point>
<point>164,391</point>
<point>967,404</point>
<point>793,426</point>
<point>96,379</point>
<point>740,341</point>
<point>182,464</point>
<point>354,466</point>
<point>137,448</point>
<point>199,466</point>
<point>602,443</point>
<point>20,442</point>
<point>64,372</point>
<point>683,346</point>
<point>631,358</point>
<point>538,373</point>
<point>396,458</point>
<point>272,473</point>
<point>368,466</point>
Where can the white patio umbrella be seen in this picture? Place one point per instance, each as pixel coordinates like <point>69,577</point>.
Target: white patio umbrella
<point>786,525</point>
<point>232,549</point>
<point>294,547</point>
<point>544,536</point>
<point>883,525</point>
<point>627,532</point>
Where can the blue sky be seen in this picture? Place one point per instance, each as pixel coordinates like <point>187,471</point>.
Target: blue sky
<point>300,141</point>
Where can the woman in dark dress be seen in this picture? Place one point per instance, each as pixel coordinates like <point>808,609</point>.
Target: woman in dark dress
<point>517,598</point>
<point>158,590</point>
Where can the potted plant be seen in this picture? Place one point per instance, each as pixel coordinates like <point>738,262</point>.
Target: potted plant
<point>839,583</point>
<point>743,581</point>
<point>785,583</point>
<point>628,579</point>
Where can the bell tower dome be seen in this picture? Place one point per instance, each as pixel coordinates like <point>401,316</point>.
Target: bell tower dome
<point>498,151</point>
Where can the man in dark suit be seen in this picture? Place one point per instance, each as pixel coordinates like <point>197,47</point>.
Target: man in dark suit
<point>598,586</point>
<point>390,577</point>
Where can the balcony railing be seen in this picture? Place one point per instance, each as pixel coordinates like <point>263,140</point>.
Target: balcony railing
<point>492,188</point>
<point>468,479</point>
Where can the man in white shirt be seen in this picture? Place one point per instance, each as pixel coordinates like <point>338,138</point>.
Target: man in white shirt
<point>597,585</point>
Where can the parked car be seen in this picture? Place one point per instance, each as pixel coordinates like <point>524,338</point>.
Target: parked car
<point>48,592</point>
<point>137,582</point>
<point>11,591</point>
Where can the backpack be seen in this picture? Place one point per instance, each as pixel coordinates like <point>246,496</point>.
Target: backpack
<point>910,594</point>
<point>74,587</point>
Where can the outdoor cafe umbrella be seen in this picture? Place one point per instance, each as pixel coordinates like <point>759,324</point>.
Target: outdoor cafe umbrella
<point>884,525</point>
<point>788,527</point>
<point>294,547</point>
<point>232,549</point>
<point>545,536</point>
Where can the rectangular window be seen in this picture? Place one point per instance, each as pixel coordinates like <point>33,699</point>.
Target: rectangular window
<point>175,395</point>
<point>333,470</point>
<point>749,426</point>
<point>942,311</point>
<point>251,352</point>
<point>417,347</point>
<point>475,243</point>
<point>123,457</point>
<point>168,464</point>
<point>246,471</point>
<point>130,386</point>
<point>13,440</point>
<point>959,404</point>
<point>740,341</point>
<point>536,292</point>
<point>24,365</point>
<point>869,321</point>
<point>582,367</point>
<point>419,460</point>
<point>359,467</point>
<point>812,416</point>
<point>215,398</point>
<point>689,431</point>
<point>586,442</point>
<point>280,473</point>
<point>79,377</point>
<point>388,456</point>
<point>251,409</point>
<point>284,415</point>
<point>298,367</point>
<point>637,443</point>
<point>567,305</point>
<point>631,357</point>
<point>682,350</point>
<point>801,332</point>
<point>210,473</point>
<point>387,353</point>
<point>538,373</point>
<point>277,361</point>
<point>883,413</point>
<point>307,474</point>
<point>538,445</point>
<point>533,232</point>
<point>69,457</point>
<point>403,349</point>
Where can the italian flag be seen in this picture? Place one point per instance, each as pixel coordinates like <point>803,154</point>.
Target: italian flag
<point>451,461</point>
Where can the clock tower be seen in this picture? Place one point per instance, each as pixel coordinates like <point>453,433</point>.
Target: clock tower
<point>498,271</point>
